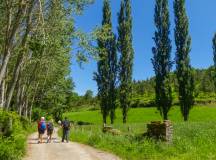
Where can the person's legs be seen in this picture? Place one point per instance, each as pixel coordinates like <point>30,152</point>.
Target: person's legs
<point>50,138</point>
<point>63,135</point>
<point>38,136</point>
<point>41,138</point>
<point>67,135</point>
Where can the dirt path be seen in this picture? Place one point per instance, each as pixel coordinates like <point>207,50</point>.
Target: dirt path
<point>63,151</point>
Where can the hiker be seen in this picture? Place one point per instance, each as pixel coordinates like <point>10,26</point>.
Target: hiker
<point>41,129</point>
<point>50,128</point>
<point>59,122</point>
<point>66,130</point>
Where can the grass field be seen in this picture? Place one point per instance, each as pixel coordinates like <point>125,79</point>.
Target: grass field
<point>195,139</point>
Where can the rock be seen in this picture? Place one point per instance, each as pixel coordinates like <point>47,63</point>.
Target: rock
<point>109,129</point>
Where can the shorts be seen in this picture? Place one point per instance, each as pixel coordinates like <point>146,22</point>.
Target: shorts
<point>49,132</point>
<point>41,131</point>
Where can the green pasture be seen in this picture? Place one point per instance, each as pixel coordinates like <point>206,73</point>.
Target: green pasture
<point>192,140</point>
<point>144,115</point>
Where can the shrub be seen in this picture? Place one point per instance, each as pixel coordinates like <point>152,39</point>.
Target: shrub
<point>13,133</point>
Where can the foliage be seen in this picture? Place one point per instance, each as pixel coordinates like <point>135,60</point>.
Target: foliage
<point>126,56</point>
<point>161,58</point>
<point>106,75</point>
<point>214,58</point>
<point>13,134</point>
<point>36,54</point>
<point>37,113</point>
<point>183,68</point>
<point>76,102</point>
<point>143,91</point>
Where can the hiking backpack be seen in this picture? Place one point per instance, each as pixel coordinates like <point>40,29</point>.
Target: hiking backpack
<point>50,126</point>
<point>66,125</point>
<point>43,125</point>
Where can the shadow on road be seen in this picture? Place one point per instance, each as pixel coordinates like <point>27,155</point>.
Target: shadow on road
<point>35,140</point>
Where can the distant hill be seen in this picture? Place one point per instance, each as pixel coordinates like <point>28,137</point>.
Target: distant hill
<point>144,93</point>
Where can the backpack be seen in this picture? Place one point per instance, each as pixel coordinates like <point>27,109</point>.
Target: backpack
<point>43,125</point>
<point>50,126</point>
<point>66,125</point>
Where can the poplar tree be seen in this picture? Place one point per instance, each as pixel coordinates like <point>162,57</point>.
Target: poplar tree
<point>127,55</point>
<point>161,58</point>
<point>214,58</point>
<point>113,74</point>
<point>183,67</point>
<point>107,66</point>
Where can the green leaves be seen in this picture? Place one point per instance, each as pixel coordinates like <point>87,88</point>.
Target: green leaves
<point>162,58</point>
<point>126,56</point>
<point>106,76</point>
<point>183,69</point>
<point>214,58</point>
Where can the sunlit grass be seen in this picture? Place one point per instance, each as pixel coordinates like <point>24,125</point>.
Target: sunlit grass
<point>143,115</point>
<point>192,140</point>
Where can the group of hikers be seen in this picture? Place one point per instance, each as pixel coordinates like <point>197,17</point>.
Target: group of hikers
<point>49,127</point>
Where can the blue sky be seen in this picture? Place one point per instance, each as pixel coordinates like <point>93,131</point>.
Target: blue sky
<point>202,18</point>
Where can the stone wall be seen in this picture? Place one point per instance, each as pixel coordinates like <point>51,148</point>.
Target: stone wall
<point>160,130</point>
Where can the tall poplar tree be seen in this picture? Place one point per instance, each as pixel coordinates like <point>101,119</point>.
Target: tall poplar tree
<point>127,54</point>
<point>113,74</point>
<point>183,67</point>
<point>161,58</point>
<point>107,66</point>
<point>214,58</point>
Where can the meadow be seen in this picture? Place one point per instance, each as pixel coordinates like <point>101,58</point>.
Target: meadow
<point>194,140</point>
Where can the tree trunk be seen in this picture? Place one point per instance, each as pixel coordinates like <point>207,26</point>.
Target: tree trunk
<point>185,118</point>
<point>165,116</point>
<point>21,98</point>
<point>125,114</point>
<point>13,85</point>
<point>26,107</point>
<point>104,118</point>
<point>32,102</point>
<point>18,95</point>
<point>20,59</point>
<point>12,30</point>
<point>2,94</point>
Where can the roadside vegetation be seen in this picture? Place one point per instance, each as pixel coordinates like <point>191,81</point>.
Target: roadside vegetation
<point>13,134</point>
<point>192,140</point>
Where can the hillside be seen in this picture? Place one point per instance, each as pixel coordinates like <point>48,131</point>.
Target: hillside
<point>143,91</point>
<point>143,94</point>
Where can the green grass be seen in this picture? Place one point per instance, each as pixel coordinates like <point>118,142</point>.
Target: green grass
<point>143,115</point>
<point>192,140</point>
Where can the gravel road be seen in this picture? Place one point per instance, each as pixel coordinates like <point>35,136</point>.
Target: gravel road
<point>63,151</point>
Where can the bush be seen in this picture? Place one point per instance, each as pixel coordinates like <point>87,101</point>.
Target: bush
<point>13,133</point>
